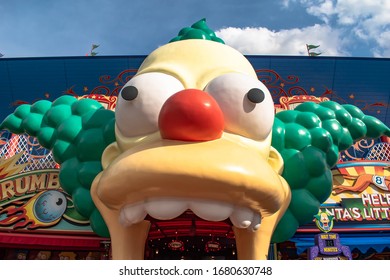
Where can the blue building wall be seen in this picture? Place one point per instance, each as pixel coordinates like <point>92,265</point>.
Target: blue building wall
<point>363,82</point>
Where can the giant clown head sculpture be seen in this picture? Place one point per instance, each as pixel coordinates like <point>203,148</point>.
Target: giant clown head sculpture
<point>193,131</point>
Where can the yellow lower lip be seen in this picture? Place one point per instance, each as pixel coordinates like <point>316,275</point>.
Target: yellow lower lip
<point>219,170</point>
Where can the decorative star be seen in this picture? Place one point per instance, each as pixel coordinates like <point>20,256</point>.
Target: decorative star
<point>85,89</point>
<point>116,84</point>
<point>70,91</point>
<point>352,96</point>
<point>312,89</point>
<point>282,84</point>
<point>328,91</point>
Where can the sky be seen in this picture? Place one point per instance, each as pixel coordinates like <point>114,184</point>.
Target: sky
<point>41,28</point>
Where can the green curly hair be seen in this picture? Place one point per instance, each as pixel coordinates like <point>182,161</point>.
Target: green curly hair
<point>199,30</point>
<point>310,139</point>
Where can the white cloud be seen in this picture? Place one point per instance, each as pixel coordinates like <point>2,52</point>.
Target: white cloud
<point>284,42</point>
<point>324,10</point>
<point>346,24</point>
<point>383,41</point>
<point>363,19</point>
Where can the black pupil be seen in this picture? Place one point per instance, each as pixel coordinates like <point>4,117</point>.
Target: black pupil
<point>129,93</point>
<point>255,95</point>
<point>59,201</point>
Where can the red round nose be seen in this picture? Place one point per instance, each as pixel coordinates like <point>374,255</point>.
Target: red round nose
<point>191,115</point>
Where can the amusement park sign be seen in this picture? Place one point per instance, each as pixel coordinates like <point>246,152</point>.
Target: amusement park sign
<point>360,196</point>
<point>27,184</point>
<point>369,207</point>
<point>34,200</point>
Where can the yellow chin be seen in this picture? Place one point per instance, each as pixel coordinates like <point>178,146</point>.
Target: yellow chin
<point>232,169</point>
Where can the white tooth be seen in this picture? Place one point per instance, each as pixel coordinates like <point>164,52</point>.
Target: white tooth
<point>256,222</point>
<point>165,208</point>
<point>122,219</point>
<point>132,214</point>
<point>242,217</point>
<point>211,211</point>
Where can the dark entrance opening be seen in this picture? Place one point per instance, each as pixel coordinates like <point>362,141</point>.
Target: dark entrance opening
<point>188,237</point>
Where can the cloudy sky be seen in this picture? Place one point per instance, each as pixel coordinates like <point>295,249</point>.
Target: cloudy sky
<point>359,28</point>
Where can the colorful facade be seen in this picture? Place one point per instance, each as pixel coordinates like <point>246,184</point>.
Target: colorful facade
<point>37,219</point>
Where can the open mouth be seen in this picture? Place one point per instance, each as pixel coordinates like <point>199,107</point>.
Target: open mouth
<point>187,227</point>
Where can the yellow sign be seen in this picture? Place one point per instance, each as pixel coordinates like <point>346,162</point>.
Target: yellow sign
<point>27,183</point>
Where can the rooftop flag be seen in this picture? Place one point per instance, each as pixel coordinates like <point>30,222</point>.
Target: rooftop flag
<point>92,53</point>
<point>310,47</point>
<point>314,54</point>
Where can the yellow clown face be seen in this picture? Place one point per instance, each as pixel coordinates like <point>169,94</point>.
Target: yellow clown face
<point>193,131</point>
<point>324,219</point>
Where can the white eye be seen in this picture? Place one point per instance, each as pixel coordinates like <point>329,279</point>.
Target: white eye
<point>246,104</point>
<point>140,102</point>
